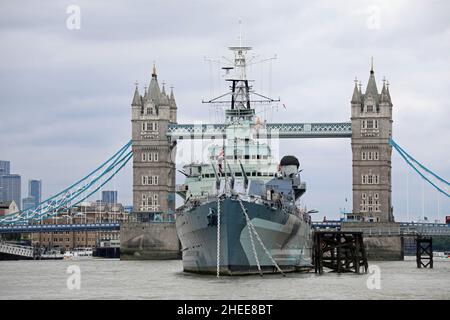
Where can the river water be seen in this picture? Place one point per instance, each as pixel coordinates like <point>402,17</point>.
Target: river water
<point>115,279</point>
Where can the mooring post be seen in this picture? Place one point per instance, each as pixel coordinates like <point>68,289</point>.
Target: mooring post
<point>424,252</point>
<point>339,251</point>
<point>356,254</point>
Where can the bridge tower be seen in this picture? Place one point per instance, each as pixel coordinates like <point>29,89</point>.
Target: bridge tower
<point>152,235</point>
<point>371,119</point>
<point>153,166</point>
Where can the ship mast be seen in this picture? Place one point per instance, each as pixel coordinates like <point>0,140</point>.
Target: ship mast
<point>240,110</point>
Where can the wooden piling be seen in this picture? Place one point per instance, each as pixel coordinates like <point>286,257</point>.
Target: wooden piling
<point>424,252</point>
<point>339,251</point>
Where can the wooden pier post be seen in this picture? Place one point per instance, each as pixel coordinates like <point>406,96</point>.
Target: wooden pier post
<point>339,251</point>
<point>424,252</point>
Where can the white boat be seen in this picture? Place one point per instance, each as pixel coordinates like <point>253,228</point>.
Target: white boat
<point>445,255</point>
<point>78,253</point>
<point>51,255</point>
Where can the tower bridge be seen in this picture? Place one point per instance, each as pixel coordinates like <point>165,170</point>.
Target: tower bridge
<point>155,131</point>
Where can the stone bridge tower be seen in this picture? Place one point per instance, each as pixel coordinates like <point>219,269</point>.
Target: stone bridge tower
<point>371,163</point>
<point>153,166</point>
<point>153,178</point>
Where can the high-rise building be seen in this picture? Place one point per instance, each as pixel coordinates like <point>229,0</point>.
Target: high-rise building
<point>35,190</point>
<point>10,188</point>
<point>109,197</point>
<point>371,131</point>
<point>4,167</point>
<point>28,202</point>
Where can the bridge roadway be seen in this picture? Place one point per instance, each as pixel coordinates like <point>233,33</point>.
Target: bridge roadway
<point>272,130</point>
<point>406,228</point>
<point>34,228</point>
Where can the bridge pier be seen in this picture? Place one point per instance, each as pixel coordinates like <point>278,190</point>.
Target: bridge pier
<point>383,241</point>
<point>149,241</point>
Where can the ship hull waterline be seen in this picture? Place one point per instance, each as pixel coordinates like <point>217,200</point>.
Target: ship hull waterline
<point>286,237</point>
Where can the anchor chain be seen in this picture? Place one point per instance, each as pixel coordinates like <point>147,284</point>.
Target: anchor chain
<point>218,237</point>
<point>252,228</point>
<point>251,237</point>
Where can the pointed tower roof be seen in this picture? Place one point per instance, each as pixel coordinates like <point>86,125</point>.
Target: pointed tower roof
<point>145,93</point>
<point>356,97</point>
<point>173,104</point>
<point>371,84</point>
<point>137,97</point>
<point>154,70</point>
<point>153,88</point>
<point>387,90</point>
<point>384,94</point>
<point>164,97</point>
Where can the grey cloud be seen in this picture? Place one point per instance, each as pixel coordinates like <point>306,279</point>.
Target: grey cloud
<point>68,92</point>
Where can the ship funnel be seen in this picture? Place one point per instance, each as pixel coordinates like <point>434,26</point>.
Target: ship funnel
<point>289,166</point>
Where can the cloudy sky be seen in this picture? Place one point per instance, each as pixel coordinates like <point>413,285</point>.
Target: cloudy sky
<point>66,93</point>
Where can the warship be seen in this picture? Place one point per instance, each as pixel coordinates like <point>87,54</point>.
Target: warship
<point>241,212</point>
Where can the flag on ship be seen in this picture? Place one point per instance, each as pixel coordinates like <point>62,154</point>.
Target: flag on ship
<point>220,159</point>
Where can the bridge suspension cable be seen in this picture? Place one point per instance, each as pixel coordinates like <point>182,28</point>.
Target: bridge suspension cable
<point>77,192</point>
<point>73,196</point>
<point>410,160</point>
